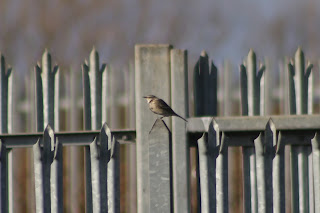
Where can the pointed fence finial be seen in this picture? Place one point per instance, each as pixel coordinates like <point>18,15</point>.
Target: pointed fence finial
<point>47,87</point>
<point>299,76</point>
<point>250,85</point>
<point>205,86</point>
<point>204,53</point>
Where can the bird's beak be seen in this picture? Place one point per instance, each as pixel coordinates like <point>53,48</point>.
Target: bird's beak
<point>144,96</point>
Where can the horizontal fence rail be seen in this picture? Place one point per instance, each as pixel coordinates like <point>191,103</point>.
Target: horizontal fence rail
<point>255,123</point>
<point>294,125</point>
<point>83,138</point>
<point>169,164</point>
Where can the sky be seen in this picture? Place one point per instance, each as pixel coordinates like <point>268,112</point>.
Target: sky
<point>225,29</point>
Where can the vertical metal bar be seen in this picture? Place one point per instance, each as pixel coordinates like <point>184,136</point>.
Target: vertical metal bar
<point>294,180</point>
<point>303,176</point>
<point>260,166</point>
<point>253,95</point>
<point>95,178</point>
<point>198,184</point>
<point>207,170</point>
<point>266,90</point>
<point>47,90</point>
<point>92,95</point>
<point>311,181</point>
<point>200,76</point>
<point>87,126</point>
<point>131,97</point>
<point>253,103</point>
<point>212,89</point>
<point>56,173</point>
<point>56,99</point>
<point>76,175</point>
<point>253,179</point>
<point>10,181</point>
<point>310,91</point>
<point>106,94</point>
<point>75,156</point>
<point>4,75</point>
<point>180,146</point>
<point>316,170</point>
<point>285,103</point>
<point>278,182</point>
<point>110,87</point>
<point>88,180</point>
<point>299,165</point>
<point>205,87</point>
<point>262,149</point>
<point>39,99</point>
<point>246,152</point>
<point>100,203</point>
<point>42,162</point>
<point>205,94</point>
<point>244,90</point>
<point>11,109</point>
<point>113,166</point>
<point>234,180</point>
<point>299,90</point>
<point>3,177</point>
<point>286,81</point>
<point>130,153</point>
<point>6,78</point>
<point>250,96</point>
<point>95,77</point>
<point>31,116</point>
<point>275,147</point>
<point>152,66</point>
<point>131,109</point>
<point>246,180</point>
<point>113,174</point>
<point>160,168</point>
<point>31,119</point>
<point>264,168</point>
<point>221,170</point>
<point>282,87</point>
<point>56,177</point>
<point>100,156</point>
<point>301,101</point>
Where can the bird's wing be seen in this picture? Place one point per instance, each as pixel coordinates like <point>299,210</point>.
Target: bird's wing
<point>165,106</point>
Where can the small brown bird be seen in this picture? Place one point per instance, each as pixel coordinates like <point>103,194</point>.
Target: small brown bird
<point>158,106</point>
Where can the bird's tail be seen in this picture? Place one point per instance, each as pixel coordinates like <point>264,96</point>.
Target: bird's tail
<point>181,117</point>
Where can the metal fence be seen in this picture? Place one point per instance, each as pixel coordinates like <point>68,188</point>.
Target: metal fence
<point>163,147</point>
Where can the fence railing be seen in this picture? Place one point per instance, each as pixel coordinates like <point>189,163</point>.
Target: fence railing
<point>163,147</point>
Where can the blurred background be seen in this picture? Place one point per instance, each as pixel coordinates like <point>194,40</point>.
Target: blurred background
<point>69,29</point>
<point>226,29</point>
